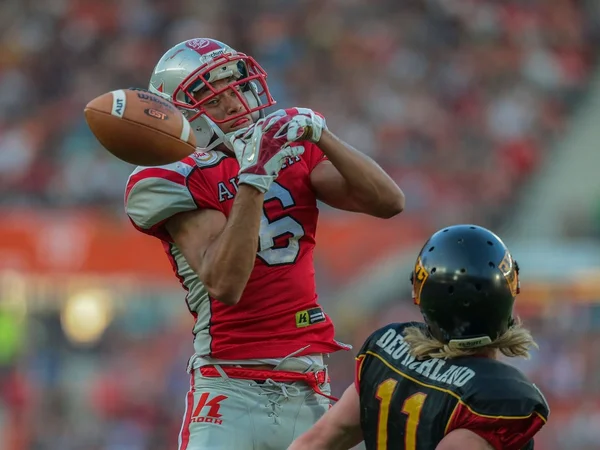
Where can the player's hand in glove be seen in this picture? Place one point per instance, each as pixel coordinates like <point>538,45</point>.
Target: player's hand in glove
<point>262,148</point>
<point>306,125</point>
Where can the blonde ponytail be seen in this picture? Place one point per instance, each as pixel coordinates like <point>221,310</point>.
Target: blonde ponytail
<point>516,341</point>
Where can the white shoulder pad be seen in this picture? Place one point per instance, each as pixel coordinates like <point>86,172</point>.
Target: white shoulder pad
<point>157,193</point>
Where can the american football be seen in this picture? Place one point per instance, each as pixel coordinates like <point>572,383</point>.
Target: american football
<point>140,128</point>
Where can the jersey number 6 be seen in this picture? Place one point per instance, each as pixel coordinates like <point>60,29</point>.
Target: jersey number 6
<point>281,228</point>
<point>412,407</point>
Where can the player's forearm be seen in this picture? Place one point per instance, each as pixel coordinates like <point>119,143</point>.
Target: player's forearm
<point>338,429</point>
<point>314,440</point>
<point>371,188</point>
<point>231,257</point>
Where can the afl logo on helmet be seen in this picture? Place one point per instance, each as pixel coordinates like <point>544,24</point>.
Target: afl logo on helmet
<point>200,43</point>
<point>418,278</point>
<point>509,269</point>
<point>155,114</point>
<point>204,46</point>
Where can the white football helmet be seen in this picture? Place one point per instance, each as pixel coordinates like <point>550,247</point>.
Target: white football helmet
<point>196,64</point>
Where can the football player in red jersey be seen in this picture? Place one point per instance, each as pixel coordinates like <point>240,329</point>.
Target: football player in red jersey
<point>237,220</point>
<point>438,385</point>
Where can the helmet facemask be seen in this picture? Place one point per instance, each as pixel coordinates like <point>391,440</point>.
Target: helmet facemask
<point>248,82</point>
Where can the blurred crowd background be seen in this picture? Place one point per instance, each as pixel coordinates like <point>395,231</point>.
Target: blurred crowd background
<point>463,102</point>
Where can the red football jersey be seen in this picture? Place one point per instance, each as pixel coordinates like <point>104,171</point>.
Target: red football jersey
<point>278,313</point>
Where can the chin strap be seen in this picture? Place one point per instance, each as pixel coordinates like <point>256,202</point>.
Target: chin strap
<point>219,138</point>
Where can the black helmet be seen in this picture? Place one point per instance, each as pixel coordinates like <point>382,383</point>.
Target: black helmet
<point>465,282</point>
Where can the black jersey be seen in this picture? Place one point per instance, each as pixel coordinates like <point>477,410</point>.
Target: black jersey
<point>412,404</point>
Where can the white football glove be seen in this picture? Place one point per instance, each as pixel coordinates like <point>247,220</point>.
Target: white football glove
<point>306,125</point>
<point>262,148</point>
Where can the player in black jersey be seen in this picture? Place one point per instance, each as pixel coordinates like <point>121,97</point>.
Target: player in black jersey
<point>438,385</point>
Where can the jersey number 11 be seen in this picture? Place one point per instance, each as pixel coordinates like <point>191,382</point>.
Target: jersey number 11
<point>412,407</point>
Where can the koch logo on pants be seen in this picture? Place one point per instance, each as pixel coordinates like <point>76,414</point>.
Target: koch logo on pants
<point>207,410</point>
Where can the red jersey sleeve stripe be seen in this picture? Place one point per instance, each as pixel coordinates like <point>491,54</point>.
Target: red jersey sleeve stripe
<point>189,161</point>
<point>359,362</point>
<point>501,432</point>
<point>154,172</point>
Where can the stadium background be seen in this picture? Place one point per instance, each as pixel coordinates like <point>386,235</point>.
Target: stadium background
<point>483,111</point>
